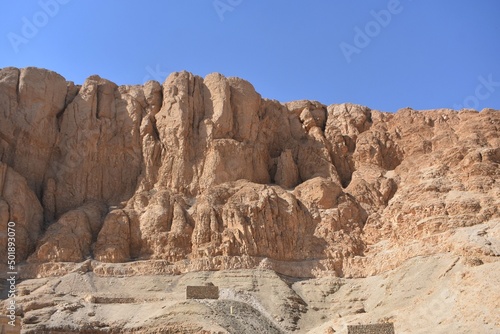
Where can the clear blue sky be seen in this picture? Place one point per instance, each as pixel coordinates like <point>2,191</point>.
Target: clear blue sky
<point>426,54</point>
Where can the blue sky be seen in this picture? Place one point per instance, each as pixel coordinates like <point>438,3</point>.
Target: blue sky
<point>385,54</point>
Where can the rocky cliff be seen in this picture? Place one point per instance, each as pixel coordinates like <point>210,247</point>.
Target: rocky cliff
<point>205,174</point>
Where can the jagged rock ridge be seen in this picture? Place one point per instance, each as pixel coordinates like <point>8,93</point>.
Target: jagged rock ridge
<point>205,174</point>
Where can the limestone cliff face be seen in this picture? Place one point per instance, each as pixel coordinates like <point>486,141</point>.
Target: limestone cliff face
<point>204,168</point>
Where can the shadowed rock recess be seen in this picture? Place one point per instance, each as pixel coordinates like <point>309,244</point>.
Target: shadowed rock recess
<point>203,174</point>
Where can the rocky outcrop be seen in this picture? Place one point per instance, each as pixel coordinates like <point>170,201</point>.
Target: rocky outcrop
<point>18,205</point>
<point>437,294</point>
<point>69,239</point>
<point>203,168</point>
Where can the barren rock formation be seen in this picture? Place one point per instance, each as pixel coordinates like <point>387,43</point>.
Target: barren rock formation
<point>438,294</point>
<point>18,204</point>
<point>204,167</point>
<point>204,174</point>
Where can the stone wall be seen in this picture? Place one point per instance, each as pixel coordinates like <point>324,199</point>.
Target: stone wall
<point>387,328</point>
<point>202,292</point>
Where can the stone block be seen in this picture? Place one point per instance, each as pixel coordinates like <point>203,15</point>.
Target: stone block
<point>202,292</point>
<point>384,328</point>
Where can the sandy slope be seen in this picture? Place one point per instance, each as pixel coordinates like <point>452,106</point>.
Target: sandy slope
<point>436,294</point>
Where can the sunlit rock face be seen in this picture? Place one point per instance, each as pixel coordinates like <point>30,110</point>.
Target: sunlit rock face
<point>205,174</point>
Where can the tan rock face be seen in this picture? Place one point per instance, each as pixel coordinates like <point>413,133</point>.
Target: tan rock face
<point>31,101</point>
<point>113,242</point>
<point>18,204</point>
<point>256,220</point>
<point>69,239</point>
<point>287,173</point>
<point>205,171</point>
<point>319,193</point>
<point>160,227</point>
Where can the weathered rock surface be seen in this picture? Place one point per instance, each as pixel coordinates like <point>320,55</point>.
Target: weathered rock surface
<point>106,181</point>
<point>18,205</point>
<point>204,174</point>
<point>204,168</point>
<point>437,294</point>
